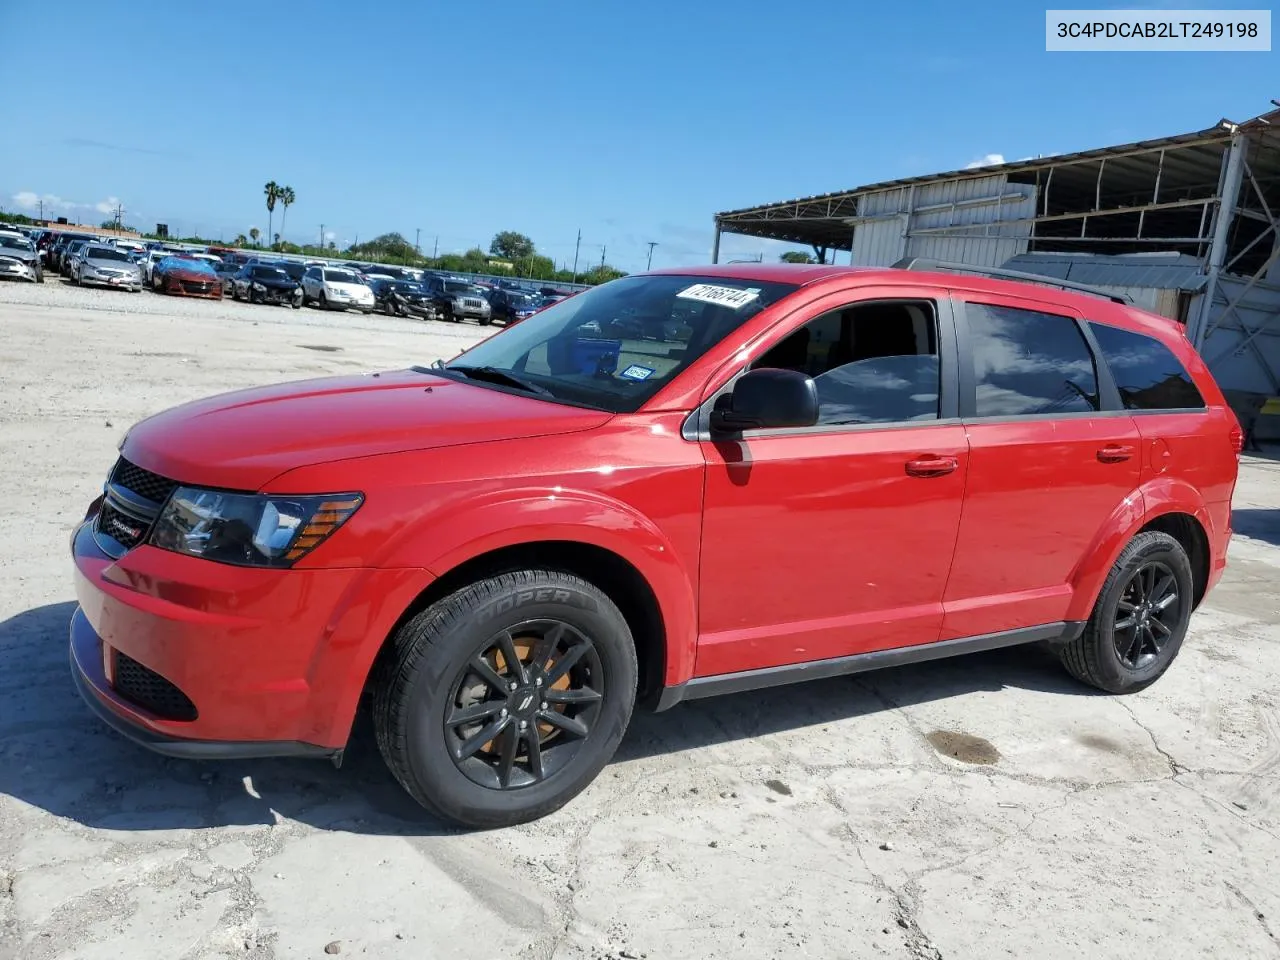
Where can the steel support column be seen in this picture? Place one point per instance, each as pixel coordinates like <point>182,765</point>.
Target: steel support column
<point>715,246</point>
<point>1228,196</point>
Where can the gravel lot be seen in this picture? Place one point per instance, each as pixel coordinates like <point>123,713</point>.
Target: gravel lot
<point>968,809</point>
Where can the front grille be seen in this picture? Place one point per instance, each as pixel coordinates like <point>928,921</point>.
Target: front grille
<point>144,483</point>
<point>147,689</point>
<point>125,530</point>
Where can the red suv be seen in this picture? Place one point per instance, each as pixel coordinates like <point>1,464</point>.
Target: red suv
<point>671,486</point>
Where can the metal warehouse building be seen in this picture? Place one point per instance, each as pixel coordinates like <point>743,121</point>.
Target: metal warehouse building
<point>1185,225</point>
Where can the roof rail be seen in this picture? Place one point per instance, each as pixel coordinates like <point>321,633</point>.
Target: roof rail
<point>922,263</point>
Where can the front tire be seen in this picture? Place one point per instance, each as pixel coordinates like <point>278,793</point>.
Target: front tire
<point>1140,619</point>
<point>501,702</point>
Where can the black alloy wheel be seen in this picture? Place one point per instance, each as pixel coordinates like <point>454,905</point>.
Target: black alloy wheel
<point>524,706</point>
<point>1147,613</point>
<point>502,701</point>
<point>1139,619</point>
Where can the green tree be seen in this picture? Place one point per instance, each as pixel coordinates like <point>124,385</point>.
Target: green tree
<point>510,245</point>
<point>795,256</point>
<point>287,198</point>
<point>240,241</point>
<point>254,233</point>
<point>272,190</point>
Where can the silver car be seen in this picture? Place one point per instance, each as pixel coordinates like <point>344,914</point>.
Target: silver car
<point>108,266</point>
<point>19,259</point>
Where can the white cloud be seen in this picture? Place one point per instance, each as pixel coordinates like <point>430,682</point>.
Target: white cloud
<point>986,160</point>
<point>29,200</point>
<point>108,205</point>
<point>330,235</point>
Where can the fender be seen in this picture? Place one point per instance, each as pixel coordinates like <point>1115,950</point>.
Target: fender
<point>442,541</point>
<point>532,515</point>
<point>1156,497</point>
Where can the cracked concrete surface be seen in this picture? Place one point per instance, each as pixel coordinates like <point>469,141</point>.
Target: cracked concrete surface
<point>808,821</point>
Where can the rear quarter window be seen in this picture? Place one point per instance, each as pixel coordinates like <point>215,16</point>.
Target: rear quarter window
<point>1146,372</point>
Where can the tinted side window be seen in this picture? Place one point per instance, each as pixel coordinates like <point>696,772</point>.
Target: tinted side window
<point>871,362</point>
<point>1026,362</point>
<point>1147,374</point>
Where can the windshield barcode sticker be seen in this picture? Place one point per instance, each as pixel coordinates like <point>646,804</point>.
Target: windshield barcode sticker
<point>730,297</point>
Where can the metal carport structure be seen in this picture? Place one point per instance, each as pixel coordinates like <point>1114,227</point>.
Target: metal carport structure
<point>1211,196</point>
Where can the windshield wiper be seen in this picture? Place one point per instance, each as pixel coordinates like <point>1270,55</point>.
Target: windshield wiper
<point>496,375</point>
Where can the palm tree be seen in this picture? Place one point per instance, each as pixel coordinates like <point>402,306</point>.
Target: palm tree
<point>287,197</point>
<point>240,241</point>
<point>272,190</point>
<point>254,233</point>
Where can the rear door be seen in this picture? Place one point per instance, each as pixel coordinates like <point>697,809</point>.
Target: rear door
<point>1051,459</point>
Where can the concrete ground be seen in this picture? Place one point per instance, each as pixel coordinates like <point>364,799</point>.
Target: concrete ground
<point>976,808</point>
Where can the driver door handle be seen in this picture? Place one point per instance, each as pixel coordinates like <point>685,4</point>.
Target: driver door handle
<point>1115,453</point>
<point>929,466</point>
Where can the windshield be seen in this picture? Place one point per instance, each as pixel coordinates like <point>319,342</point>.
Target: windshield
<point>269,273</point>
<point>616,345</point>
<point>340,276</point>
<point>15,243</point>
<point>106,253</point>
<point>458,286</point>
<point>404,286</point>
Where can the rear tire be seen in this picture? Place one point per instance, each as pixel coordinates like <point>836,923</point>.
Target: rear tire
<point>323,301</point>
<point>425,678</point>
<point>1140,619</point>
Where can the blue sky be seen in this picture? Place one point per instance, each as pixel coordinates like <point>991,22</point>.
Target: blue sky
<point>631,122</point>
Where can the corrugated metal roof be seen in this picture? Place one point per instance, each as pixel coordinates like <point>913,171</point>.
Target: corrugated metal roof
<point>1220,131</point>
<point>1159,271</point>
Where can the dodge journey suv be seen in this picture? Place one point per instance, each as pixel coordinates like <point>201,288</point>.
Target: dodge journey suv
<point>795,472</point>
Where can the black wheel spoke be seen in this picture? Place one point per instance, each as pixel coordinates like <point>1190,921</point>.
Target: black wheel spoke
<point>570,725</point>
<point>484,670</point>
<point>534,745</point>
<point>1134,648</point>
<point>579,695</point>
<point>469,746</point>
<point>545,647</point>
<point>1125,624</point>
<point>1159,625</point>
<point>461,716</point>
<point>566,661</point>
<point>514,666</point>
<point>508,742</point>
<point>1124,606</point>
<point>1162,590</point>
<point>1166,602</point>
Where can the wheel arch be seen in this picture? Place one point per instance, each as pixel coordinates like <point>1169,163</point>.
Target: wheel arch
<point>1165,504</point>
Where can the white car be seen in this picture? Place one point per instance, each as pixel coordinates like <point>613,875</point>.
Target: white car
<point>337,289</point>
<point>148,262</point>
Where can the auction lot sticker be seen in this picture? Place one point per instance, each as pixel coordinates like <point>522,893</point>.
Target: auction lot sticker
<point>730,297</point>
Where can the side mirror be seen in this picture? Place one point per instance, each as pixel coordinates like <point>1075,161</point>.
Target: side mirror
<point>767,398</point>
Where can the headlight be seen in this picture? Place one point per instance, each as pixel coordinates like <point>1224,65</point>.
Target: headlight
<point>259,287</point>
<point>250,529</point>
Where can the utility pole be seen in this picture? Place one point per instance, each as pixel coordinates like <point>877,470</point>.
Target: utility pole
<point>435,251</point>
<point>575,255</point>
<point>652,244</point>
<point>417,235</point>
<point>41,209</point>
<point>322,238</point>
<point>602,249</point>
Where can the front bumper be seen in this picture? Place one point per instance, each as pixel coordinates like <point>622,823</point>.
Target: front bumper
<point>128,283</point>
<point>13,270</point>
<point>251,649</point>
<point>209,289</point>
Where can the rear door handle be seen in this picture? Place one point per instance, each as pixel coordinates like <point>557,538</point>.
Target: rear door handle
<point>1115,453</point>
<point>932,466</point>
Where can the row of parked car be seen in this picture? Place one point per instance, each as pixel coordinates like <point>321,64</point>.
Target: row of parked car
<point>216,273</point>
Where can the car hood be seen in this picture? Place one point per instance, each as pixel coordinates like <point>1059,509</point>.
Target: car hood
<point>191,274</point>
<point>351,289</point>
<point>98,264</point>
<point>274,283</point>
<point>25,256</point>
<point>241,440</point>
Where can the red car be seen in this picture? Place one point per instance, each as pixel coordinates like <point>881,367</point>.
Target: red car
<point>800,471</point>
<point>186,276</point>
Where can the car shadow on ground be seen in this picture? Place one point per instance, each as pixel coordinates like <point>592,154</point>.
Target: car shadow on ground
<point>57,756</point>
<point>1257,524</point>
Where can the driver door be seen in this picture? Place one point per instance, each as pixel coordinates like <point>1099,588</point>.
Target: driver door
<point>837,539</point>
